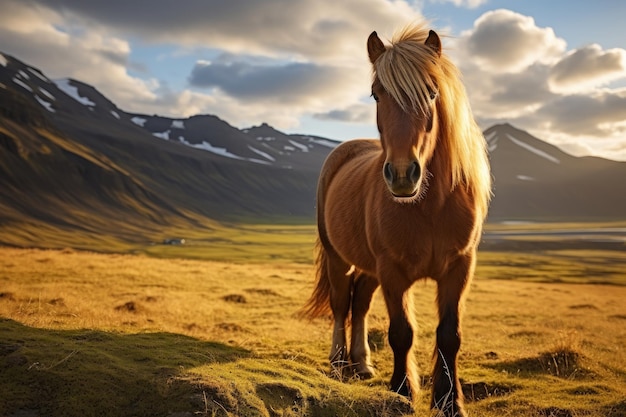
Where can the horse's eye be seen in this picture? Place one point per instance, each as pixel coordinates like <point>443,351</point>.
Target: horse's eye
<point>374,96</point>
<point>433,95</point>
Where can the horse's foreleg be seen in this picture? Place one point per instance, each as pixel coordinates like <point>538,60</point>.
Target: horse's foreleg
<point>340,296</point>
<point>399,303</point>
<point>447,394</point>
<point>364,288</point>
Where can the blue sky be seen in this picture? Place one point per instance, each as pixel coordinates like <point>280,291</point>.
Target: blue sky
<point>554,68</point>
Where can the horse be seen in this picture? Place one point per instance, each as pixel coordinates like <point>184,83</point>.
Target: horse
<point>406,207</point>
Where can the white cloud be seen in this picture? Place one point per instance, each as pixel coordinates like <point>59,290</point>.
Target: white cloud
<point>505,41</point>
<point>520,73</point>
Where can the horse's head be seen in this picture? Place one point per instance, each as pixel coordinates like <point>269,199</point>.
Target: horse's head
<point>406,92</point>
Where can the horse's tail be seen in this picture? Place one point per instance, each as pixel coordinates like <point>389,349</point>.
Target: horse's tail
<point>318,304</point>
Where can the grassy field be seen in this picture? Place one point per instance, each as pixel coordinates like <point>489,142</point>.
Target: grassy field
<point>209,328</point>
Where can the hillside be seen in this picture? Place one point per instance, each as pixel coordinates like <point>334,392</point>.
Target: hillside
<point>75,167</point>
<point>71,160</point>
<point>536,180</point>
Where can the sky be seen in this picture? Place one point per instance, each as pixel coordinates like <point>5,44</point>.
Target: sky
<point>556,69</point>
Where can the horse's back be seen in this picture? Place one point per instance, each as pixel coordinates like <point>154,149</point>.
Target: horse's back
<point>343,153</point>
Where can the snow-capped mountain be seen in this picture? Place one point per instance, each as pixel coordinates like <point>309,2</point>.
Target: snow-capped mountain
<point>71,159</point>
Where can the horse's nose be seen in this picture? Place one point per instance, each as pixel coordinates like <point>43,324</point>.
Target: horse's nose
<point>389,173</point>
<point>413,172</point>
<point>403,182</point>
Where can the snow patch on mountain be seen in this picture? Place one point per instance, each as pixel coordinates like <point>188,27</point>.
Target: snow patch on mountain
<point>44,104</point>
<point>39,75</point>
<point>162,135</point>
<point>492,141</point>
<point>263,154</point>
<point>65,86</point>
<point>22,84</point>
<point>323,142</point>
<point>178,124</point>
<point>3,60</point>
<point>534,150</point>
<point>300,146</point>
<point>115,114</point>
<point>138,121</point>
<point>47,93</point>
<point>525,178</point>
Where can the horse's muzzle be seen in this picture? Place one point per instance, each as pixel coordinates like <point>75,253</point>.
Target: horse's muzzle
<point>403,182</point>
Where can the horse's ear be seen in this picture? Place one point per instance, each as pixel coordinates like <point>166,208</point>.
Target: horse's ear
<point>434,42</point>
<point>375,47</point>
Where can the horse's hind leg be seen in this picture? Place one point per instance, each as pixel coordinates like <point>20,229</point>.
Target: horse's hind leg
<point>340,296</point>
<point>364,288</point>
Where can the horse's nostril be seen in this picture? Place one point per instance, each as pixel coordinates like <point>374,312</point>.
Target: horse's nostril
<point>413,172</point>
<point>388,172</point>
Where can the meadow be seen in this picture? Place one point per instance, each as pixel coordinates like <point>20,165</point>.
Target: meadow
<point>210,328</point>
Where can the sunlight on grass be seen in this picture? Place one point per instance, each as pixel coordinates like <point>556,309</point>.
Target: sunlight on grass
<point>209,328</point>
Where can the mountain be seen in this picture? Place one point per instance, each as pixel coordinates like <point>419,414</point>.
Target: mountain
<point>536,180</point>
<point>72,161</point>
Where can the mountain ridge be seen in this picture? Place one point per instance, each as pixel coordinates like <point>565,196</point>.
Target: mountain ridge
<point>72,159</point>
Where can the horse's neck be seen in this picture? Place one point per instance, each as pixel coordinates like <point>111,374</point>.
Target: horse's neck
<point>440,181</point>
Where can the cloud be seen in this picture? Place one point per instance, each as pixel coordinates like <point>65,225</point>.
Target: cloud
<point>356,113</point>
<point>470,4</point>
<point>600,114</point>
<point>504,41</point>
<point>587,67</point>
<point>520,73</point>
<point>44,39</point>
<point>319,29</point>
<point>291,81</point>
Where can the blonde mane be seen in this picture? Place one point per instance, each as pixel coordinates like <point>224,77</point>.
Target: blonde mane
<point>410,71</point>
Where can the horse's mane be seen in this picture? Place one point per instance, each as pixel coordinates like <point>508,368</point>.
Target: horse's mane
<point>410,72</point>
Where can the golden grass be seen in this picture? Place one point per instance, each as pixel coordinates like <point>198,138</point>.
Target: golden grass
<point>95,334</point>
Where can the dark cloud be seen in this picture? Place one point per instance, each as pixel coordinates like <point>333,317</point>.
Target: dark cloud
<point>592,115</point>
<point>523,88</point>
<point>360,113</point>
<point>249,80</point>
<point>589,66</point>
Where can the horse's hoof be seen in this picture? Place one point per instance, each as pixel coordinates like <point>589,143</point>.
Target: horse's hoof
<point>364,371</point>
<point>403,390</point>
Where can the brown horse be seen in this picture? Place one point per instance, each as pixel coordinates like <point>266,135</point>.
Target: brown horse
<point>405,208</point>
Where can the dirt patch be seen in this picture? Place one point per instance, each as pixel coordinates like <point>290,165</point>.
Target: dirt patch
<point>130,307</point>
<point>230,327</point>
<point>8,296</point>
<point>583,307</point>
<point>235,298</point>
<point>263,291</point>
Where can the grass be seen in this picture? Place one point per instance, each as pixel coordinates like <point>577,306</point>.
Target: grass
<point>158,333</point>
